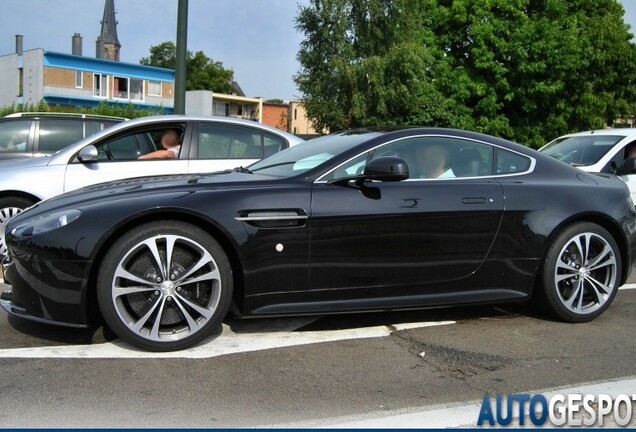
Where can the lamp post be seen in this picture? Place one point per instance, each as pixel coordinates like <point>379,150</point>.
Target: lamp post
<point>182,52</point>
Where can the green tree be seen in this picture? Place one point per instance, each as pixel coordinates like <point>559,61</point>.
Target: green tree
<point>527,70</point>
<point>202,73</point>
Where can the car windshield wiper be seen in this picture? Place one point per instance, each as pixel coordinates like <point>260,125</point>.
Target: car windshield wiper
<point>242,170</point>
<point>275,165</point>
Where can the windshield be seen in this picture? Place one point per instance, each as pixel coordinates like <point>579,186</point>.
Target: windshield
<point>581,150</point>
<point>308,155</point>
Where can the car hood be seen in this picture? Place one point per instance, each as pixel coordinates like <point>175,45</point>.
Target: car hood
<point>24,163</point>
<point>145,186</point>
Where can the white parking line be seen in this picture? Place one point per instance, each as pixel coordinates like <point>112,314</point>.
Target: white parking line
<point>229,342</point>
<point>629,286</point>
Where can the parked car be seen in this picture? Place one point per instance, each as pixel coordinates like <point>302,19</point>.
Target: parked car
<point>600,151</point>
<point>362,220</point>
<point>208,144</point>
<point>26,135</point>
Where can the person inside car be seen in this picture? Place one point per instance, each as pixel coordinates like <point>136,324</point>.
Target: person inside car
<point>431,161</point>
<point>171,143</point>
<point>18,142</point>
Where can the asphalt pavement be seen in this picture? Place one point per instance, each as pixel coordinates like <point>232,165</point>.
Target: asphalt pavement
<point>307,370</point>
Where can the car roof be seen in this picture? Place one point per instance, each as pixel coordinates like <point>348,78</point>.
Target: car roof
<point>604,132</point>
<point>63,115</point>
<point>170,119</point>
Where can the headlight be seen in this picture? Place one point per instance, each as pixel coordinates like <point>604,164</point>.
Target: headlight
<point>46,223</point>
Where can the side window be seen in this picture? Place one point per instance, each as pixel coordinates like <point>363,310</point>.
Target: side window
<point>430,158</point>
<point>217,141</point>
<point>14,135</point>
<point>55,134</point>
<point>616,161</point>
<point>91,128</point>
<point>511,163</point>
<point>128,147</point>
<point>272,144</point>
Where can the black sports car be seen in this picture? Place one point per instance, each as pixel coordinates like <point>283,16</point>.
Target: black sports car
<point>360,220</point>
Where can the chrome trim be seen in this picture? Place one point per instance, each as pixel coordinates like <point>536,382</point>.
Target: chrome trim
<point>533,161</point>
<point>267,218</point>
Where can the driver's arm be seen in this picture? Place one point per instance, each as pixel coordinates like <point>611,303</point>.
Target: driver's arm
<point>158,154</point>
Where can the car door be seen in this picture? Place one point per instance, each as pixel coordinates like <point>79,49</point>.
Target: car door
<point>218,146</point>
<point>118,158</point>
<point>16,138</point>
<point>404,235</point>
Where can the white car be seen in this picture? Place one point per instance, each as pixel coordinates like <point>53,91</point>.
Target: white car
<point>601,151</point>
<point>207,144</point>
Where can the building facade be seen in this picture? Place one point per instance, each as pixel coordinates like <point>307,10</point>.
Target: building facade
<point>276,115</point>
<point>66,79</point>
<point>205,102</point>
<point>299,122</point>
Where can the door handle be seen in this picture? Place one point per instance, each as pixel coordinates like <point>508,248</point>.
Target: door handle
<point>474,200</point>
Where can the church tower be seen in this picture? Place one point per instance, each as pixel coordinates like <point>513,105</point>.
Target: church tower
<point>107,44</point>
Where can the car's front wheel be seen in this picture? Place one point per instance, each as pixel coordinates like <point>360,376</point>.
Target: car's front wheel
<point>9,207</point>
<point>164,286</point>
<point>581,273</point>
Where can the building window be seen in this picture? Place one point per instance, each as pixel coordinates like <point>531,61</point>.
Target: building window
<point>136,89</point>
<point>154,88</point>
<point>295,114</point>
<point>128,88</point>
<point>79,83</point>
<point>120,87</point>
<point>100,85</point>
<point>20,82</point>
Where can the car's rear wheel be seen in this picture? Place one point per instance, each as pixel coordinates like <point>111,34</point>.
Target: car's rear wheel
<point>581,273</point>
<point>9,207</point>
<point>164,286</point>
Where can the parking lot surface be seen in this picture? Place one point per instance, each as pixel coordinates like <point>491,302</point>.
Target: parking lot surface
<point>307,370</point>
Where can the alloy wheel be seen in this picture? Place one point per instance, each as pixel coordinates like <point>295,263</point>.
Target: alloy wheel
<point>586,273</point>
<point>6,214</point>
<point>166,288</point>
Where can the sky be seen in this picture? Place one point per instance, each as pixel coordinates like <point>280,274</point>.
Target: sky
<point>255,38</point>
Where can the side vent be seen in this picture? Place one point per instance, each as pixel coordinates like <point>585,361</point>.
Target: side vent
<point>274,218</point>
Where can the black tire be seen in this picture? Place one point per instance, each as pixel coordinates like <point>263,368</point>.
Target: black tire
<point>8,206</point>
<point>120,313</point>
<point>554,295</point>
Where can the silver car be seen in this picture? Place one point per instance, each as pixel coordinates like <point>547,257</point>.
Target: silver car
<point>207,144</point>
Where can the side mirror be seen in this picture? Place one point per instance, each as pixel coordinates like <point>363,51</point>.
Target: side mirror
<point>88,154</point>
<point>386,169</point>
<point>628,167</point>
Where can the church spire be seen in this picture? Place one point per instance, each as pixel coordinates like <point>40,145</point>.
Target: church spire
<point>107,44</point>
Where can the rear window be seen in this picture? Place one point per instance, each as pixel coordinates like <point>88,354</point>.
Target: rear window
<point>55,135</point>
<point>581,150</point>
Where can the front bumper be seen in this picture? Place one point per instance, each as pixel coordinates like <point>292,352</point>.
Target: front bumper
<point>7,303</point>
<point>50,292</point>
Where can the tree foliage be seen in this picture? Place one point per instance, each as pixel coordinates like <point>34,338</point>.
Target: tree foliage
<point>527,70</point>
<point>202,73</point>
